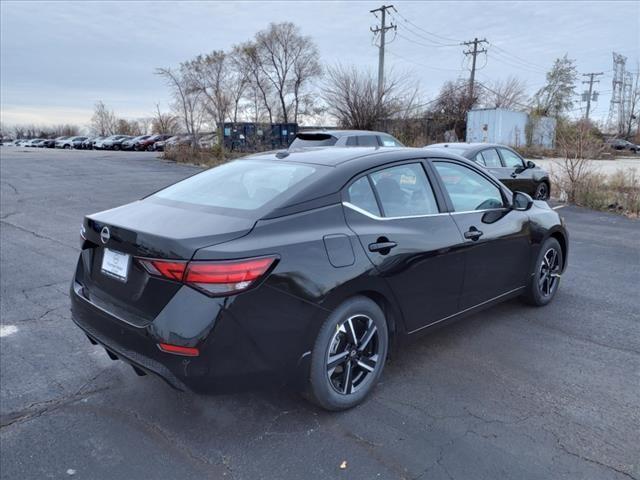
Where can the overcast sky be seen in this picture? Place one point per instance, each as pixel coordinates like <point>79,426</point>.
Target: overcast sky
<point>58,58</point>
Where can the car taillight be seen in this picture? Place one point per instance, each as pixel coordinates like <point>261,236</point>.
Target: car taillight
<point>173,270</point>
<point>178,350</point>
<point>212,277</point>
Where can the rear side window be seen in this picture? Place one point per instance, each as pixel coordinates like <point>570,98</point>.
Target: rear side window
<point>361,195</point>
<point>243,184</point>
<point>491,158</point>
<point>404,191</point>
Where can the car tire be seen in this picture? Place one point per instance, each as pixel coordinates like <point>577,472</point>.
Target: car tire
<point>67,147</point>
<point>116,147</point>
<point>150,148</point>
<point>355,335</point>
<point>545,279</point>
<point>542,191</point>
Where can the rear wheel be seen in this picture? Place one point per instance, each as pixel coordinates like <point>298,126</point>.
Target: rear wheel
<point>116,147</point>
<point>545,280</point>
<point>542,191</point>
<point>349,354</point>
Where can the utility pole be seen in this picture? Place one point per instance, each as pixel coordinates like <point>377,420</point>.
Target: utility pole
<point>382,29</point>
<point>590,94</point>
<point>474,53</point>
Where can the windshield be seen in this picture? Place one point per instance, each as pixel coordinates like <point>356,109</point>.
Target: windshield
<point>241,185</point>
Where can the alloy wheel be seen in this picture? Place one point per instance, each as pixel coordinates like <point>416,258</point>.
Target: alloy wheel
<point>353,354</point>
<point>542,192</point>
<point>549,272</point>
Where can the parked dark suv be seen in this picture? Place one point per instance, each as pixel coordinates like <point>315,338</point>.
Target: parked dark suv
<point>344,138</point>
<point>505,164</point>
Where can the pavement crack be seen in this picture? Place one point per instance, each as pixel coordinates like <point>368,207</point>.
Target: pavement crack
<point>37,235</point>
<point>37,409</point>
<point>566,450</point>
<point>12,187</point>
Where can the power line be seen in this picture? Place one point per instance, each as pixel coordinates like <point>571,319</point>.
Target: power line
<point>447,39</point>
<point>507,54</point>
<point>430,67</point>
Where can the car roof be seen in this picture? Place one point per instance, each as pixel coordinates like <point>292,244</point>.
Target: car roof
<point>341,133</point>
<point>330,157</point>
<point>469,149</point>
<point>341,164</point>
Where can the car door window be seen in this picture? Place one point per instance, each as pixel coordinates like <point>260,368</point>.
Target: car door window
<point>479,160</point>
<point>368,141</point>
<point>389,141</point>
<point>352,142</point>
<point>511,159</point>
<point>468,189</point>
<point>361,195</point>
<point>491,158</point>
<point>404,191</point>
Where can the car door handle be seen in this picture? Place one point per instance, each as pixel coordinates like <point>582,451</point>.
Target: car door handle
<point>382,247</point>
<point>472,234</point>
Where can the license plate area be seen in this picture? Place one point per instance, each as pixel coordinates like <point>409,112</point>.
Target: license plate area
<point>115,264</point>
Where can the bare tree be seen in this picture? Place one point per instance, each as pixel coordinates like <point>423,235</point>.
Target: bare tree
<point>165,123</point>
<point>579,143</point>
<point>289,61</point>
<point>510,93</point>
<point>449,110</point>
<point>187,99</point>
<point>211,76</point>
<point>260,88</point>
<point>103,121</point>
<point>351,95</point>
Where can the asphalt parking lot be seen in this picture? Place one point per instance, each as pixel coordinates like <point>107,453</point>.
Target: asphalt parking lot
<point>515,392</point>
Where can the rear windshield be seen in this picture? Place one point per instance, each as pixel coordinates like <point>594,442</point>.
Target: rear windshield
<point>314,140</point>
<point>241,185</point>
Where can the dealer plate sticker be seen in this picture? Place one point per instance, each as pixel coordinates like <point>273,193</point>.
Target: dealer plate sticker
<point>115,264</point>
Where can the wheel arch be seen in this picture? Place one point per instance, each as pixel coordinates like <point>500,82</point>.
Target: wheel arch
<point>379,293</point>
<point>564,246</point>
<point>391,314</point>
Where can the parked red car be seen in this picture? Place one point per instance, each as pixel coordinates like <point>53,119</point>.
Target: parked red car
<point>147,144</point>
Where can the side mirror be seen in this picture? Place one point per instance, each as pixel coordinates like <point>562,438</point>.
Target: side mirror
<point>530,164</point>
<point>521,201</point>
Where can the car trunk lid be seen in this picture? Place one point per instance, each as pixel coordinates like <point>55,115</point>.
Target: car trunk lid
<point>149,228</point>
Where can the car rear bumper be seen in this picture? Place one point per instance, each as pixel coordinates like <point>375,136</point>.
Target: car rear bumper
<point>233,356</point>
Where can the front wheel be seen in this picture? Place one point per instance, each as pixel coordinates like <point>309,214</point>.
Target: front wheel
<point>542,191</point>
<point>349,355</point>
<point>545,280</point>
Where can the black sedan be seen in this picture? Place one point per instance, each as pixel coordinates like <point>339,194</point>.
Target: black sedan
<point>504,163</point>
<point>308,267</point>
